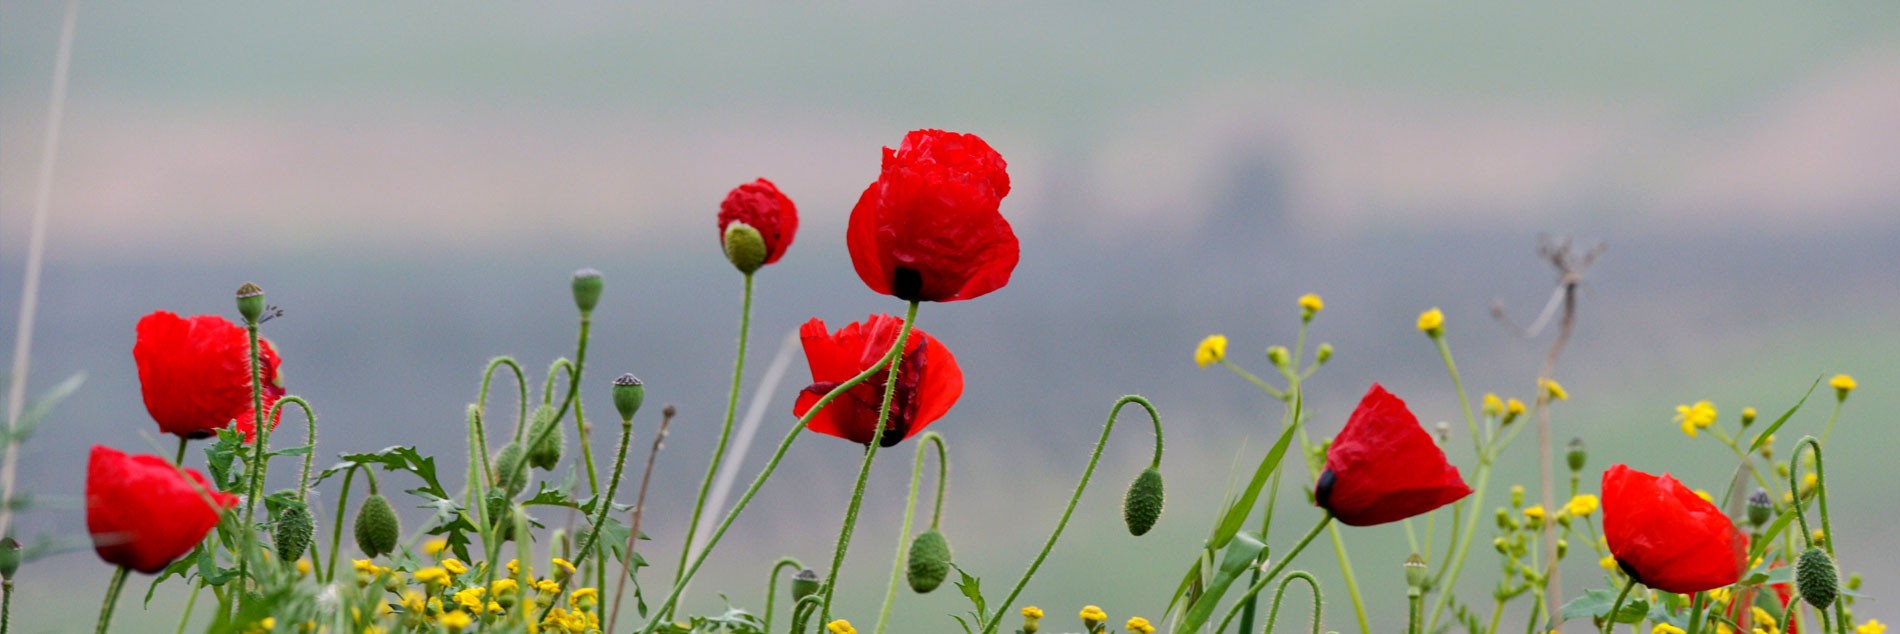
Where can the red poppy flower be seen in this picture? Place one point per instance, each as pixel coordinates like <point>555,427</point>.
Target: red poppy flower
<point>1384,468</point>
<point>196,373</point>
<point>928,380</point>
<point>929,229</point>
<point>142,514</point>
<point>760,205</point>
<point>1666,536</point>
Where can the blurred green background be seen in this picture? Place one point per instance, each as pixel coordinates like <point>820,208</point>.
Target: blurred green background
<point>414,182</point>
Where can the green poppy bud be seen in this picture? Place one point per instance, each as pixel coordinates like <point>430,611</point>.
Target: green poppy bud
<point>377,527</point>
<point>745,247</point>
<point>629,393</point>
<point>1577,454</point>
<point>929,561</point>
<point>1142,507</point>
<point>509,475</point>
<point>9,558</point>
<point>1760,508</point>
<point>546,440</point>
<point>250,301</point>
<point>1323,354</point>
<point>291,533</point>
<point>1816,578</point>
<point>804,584</point>
<point>1415,572</point>
<point>587,286</point>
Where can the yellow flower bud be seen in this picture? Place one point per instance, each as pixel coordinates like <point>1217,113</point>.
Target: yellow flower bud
<point>1211,351</point>
<point>1432,322</point>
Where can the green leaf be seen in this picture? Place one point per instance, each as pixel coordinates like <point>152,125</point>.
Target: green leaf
<point>1762,438</point>
<point>1241,556</point>
<point>36,412</point>
<point>1760,546</point>
<point>176,569</point>
<point>1237,512</point>
<point>972,588</point>
<point>1595,604</point>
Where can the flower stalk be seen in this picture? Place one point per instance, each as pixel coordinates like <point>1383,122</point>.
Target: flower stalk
<point>924,442</point>
<point>725,428</point>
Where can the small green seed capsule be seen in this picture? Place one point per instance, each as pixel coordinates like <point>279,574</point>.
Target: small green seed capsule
<point>745,247</point>
<point>1816,578</point>
<point>1577,454</point>
<point>804,584</point>
<point>929,561</point>
<point>1415,572</point>
<point>587,287</point>
<point>291,533</point>
<point>629,393</point>
<point>250,302</point>
<point>1142,507</point>
<point>1760,508</point>
<point>377,527</point>
<point>546,439</point>
<point>508,472</point>
<point>9,557</point>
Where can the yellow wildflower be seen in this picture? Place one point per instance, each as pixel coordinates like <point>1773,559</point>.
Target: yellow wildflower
<point>303,567</point>
<point>1872,626</point>
<point>413,601</point>
<point>455,621</point>
<point>471,599</point>
<point>1140,625</point>
<point>1719,595</point>
<point>1493,405</point>
<point>547,586</point>
<point>433,575</point>
<point>1748,416</point>
<point>1432,322</point>
<point>1665,628</point>
<point>514,567</point>
<point>562,567</point>
<point>504,586</point>
<point>454,566</point>
<point>1211,350</point>
<point>1695,417</point>
<point>1762,617</point>
<point>1608,562</point>
<point>1582,505</point>
<point>1534,513</point>
<point>1092,614</point>
<point>1704,494</point>
<point>1310,305</point>
<point>1032,612</point>
<point>584,599</point>
<point>1513,408</point>
<point>841,626</point>
<point>1842,384</point>
<point>435,546</point>
<point>1554,390</point>
<point>1808,480</point>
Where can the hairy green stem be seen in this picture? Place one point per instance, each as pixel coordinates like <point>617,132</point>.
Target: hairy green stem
<point>1253,590</point>
<point>521,383</point>
<point>1279,593</point>
<point>1609,621</point>
<point>1087,472</point>
<point>191,601</point>
<point>260,463</point>
<point>771,587</point>
<point>6,606</point>
<point>864,468</point>
<point>725,429</point>
<point>1827,527</point>
<point>310,426</point>
<point>336,533</point>
<point>924,442</point>
<point>111,601</point>
<point>603,506</point>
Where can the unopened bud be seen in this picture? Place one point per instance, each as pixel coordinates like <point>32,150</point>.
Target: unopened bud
<point>509,474</point>
<point>1816,578</point>
<point>1141,508</point>
<point>250,302</point>
<point>1506,522</point>
<point>377,527</point>
<point>1748,416</point>
<point>291,534</point>
<point>1577,454</point>
<point>546,441</point>
<point>587,285</point>
<point>1517,495</point>
<point>629,393</point>
<point>1563,548</point>
<point>745,247</point>
<point>929,561</point>
<point>1278,355</point>
<point>1323,354</point>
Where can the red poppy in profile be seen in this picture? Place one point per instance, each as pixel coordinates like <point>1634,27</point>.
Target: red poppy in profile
<point>142,513</point>
<point>1666,536</point>
<point>1384,468</point>
<point>928,380</point>
<point>760,205</point>
<point>196,374</point>
<point>930,228</point>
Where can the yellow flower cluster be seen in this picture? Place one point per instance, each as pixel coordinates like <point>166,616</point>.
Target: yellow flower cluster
<point>1554,390</point>
<point>1140,625</point>
<point>1582,505</point>
<point>1872,626</point>
<point>1093,614</point>
<point>841,626</point>
<point>1695,417</point>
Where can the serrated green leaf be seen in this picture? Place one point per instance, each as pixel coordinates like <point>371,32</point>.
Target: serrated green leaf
<point>1596,603</point>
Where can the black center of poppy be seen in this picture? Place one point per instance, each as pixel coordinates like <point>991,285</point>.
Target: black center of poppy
<point>1323,491</point>
<point>907,284</point>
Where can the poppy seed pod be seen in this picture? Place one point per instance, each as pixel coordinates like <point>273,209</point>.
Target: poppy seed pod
<point>629,393</point>
<point>508,472</point>
<point>1142,506</point>
<point>587,285</point>
<point>804,584</point>
<point>1816,578</point>
<point>377,527</point>
<point>929,561</point>
<point>546,439</point>
<point>250,302</point>
<point>745,248</point>
<point>1576,455</point>
<point>1415,573</point>
<point>9,558</point>
<point>291,533</point>
<point>1760,508</point>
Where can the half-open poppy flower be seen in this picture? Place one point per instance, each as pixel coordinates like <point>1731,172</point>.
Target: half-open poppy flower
<point>1384,468</point>
<point>928,380</point>
<point>142,513</point>
<point>930,228</point>
<point>760,205</point>
<point>196,373</point>
<point>1666,536</point>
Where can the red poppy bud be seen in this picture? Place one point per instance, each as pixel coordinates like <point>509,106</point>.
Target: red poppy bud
<point>760,205</point>
<point>1666,536</point>
<point>142,513</point>
<point>196,374</point>
<point>1384,468</point>
<point>930,228</point>
<point>928,380</point>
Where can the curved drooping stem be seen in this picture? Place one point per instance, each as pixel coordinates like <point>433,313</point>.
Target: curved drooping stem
<point>336,532</point>
<point>771,586</point>
<point>1820,492</point>
<point>521,383</point>
<point>310,422</point>
<point>1087,473</point>
<point>1267,578</point>
<point>1279,593</point>
<point>924,442</point>
<point>864,468</point>
<point>725,429</point>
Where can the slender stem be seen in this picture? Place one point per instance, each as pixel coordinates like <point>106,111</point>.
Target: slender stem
<point>771,465</point>
<point>1256,380</point>
<point>1087,473</point>
<point>260,463</point>
<point>1273,609</point>
<point>639,513</point>
<point>725,429</point>
<point>1460,546</point>
<point>603,506</point>
<point>1458,385</point>
<point>6,606</point>
<point>1609,621</point>
<point>1324,521</point>
<point>1827,527</point>
<point>112,600</point>
<point>1831,418</point>
<point>478,444</point>
<point>191,602</point>
<point>1345,573</point>
<point>310,426</point>
<point>336,532</point>
<point>771,587</point>
<point>183,444</point>
<point>1412,599</point>
<point>924,442</point>
<point>864,468</point>
<point>574,398</point>
<point>521,382</point>
<point>1696,606</point>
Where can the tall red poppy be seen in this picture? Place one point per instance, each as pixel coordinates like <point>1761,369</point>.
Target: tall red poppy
<point>930,228</point>
<point>1666,536</point>
<point>1384,468</point>
<point>196,373</point>
<point>142,513</point>
<point>760,205</point>
<point>928,380</point>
